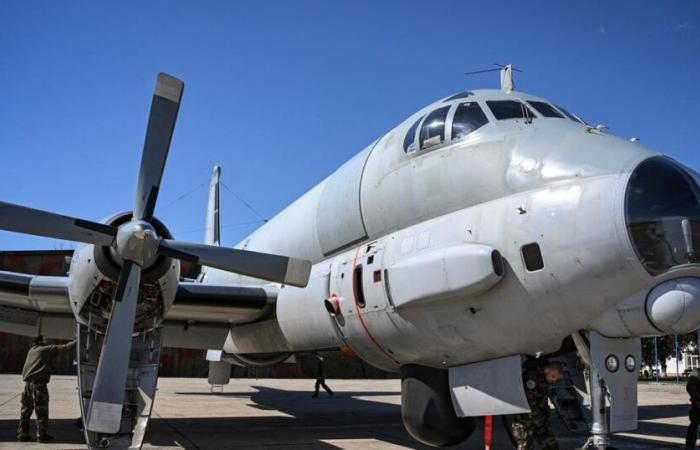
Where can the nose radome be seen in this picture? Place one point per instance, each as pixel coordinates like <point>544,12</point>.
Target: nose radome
<point>674,306</point>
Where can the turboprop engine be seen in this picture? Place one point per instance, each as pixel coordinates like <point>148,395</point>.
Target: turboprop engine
<point>123,281</point>
<point>95,272</point>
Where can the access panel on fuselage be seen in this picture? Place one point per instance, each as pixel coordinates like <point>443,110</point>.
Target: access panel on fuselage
<point>339,217</point>
<point>356,284</point>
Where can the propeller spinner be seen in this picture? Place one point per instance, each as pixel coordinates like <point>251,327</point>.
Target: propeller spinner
<point>137,245</point>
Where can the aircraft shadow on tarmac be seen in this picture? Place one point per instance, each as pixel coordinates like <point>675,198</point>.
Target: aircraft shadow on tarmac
<point>308,422</point>
<point>649,428</point>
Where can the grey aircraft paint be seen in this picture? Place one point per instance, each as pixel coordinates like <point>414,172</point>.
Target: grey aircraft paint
<point>494,228</point>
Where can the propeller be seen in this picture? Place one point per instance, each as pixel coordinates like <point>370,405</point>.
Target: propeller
<point>105,410</point>
<point>138,246</point>
<point>159,133</point>
<point>41,223</point>
<point>281,269</point>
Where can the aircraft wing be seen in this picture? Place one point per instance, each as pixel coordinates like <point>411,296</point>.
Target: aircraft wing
<point>200,317</point>
<point>32,304</point>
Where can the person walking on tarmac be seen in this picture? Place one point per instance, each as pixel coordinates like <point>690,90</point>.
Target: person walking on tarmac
<point>693,388</point>
<point>526,428</point>
<point>320,378</point>
<point>35,398</point>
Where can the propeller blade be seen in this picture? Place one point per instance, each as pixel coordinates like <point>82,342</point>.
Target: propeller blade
<point>280,269</point>
<point>105,410</point>
<point>42,223</point>
<point>161,123</point>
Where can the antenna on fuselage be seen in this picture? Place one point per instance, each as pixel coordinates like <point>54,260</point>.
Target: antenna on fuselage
<point>507,83</point>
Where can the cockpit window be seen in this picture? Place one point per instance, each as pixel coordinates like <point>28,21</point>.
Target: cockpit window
<point>432,132</point>
<point>411,136</point>
<point>468,117</point>
<point>569,115</point>
<point>510,109</point>
<point>545,109</point>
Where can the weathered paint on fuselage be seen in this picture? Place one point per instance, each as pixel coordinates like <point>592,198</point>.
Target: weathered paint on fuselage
<point>554,182</point>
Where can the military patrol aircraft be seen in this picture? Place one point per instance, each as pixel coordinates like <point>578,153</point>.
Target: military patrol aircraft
<point>489,226</point>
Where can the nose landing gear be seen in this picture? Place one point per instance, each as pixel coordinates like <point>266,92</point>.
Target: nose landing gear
<point>613,366</point>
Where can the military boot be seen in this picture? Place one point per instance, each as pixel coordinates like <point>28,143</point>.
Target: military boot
<point>44,438</point>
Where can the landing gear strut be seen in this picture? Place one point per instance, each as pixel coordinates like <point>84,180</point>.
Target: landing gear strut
<point>599,425</point>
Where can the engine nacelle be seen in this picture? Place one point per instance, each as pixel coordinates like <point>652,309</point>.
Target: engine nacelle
<point>257,344</point>
<point>426,408</point>
<point>258,360</point>
<point>109,264</point>
<point>93,275</point>
<point>672,307</point>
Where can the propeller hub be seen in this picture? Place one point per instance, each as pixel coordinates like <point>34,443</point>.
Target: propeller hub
<point>137,241</point>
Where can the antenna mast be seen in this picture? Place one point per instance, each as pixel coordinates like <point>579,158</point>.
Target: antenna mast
<point>507,83</point>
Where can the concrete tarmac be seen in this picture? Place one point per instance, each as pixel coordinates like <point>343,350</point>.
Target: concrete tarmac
<point>280,413</point>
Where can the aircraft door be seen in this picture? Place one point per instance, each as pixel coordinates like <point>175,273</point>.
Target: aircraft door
<point>373,286</point>
<point>358,290</point>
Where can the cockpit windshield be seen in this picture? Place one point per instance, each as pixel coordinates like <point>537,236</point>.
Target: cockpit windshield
<point>569,115</point>
<point>509,109</point>
<point>545,109</point>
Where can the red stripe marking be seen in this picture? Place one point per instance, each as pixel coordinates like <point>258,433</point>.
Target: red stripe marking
<point>359,311</point>
<point>488,432</point>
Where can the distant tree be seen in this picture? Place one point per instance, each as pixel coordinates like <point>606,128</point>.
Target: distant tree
<point>664,344</point>
<point>666,348</point>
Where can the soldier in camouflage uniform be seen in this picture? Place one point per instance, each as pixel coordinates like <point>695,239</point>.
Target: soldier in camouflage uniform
<point>528,428</point>
<point>693,388</point>
<point>36,375</point>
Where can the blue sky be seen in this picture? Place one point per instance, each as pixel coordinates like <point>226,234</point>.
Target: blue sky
<point>281,93</point>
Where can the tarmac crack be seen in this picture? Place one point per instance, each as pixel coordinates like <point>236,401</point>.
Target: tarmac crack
<point>191,444</point>
<point>10,399</point>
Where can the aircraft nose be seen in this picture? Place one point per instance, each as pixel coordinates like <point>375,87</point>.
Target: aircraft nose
<point>663,215</point>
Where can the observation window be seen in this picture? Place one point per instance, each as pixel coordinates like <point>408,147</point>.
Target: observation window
<point>663,215</point>
<point>408,141</point>
<point>468,117</point>
<point>432,131</point>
